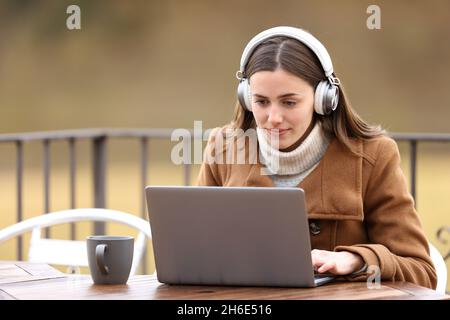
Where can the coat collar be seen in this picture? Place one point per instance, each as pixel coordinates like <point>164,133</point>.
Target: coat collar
<point>333,190</point>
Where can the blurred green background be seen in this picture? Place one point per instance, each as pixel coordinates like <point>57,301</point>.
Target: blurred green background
<point>165,64</point>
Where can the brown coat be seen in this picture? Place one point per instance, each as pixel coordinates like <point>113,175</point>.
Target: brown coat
<point>355,203</point>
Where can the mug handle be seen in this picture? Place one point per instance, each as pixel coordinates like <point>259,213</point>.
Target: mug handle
<point>100,258</point>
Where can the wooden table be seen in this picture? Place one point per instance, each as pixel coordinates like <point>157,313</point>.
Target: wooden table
<point>22,280</point>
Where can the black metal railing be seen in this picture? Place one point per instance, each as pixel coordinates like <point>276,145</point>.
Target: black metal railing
<point>99,139</point>
<point>414,139</point>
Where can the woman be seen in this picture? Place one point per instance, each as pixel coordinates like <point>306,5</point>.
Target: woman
<point>361,216</point>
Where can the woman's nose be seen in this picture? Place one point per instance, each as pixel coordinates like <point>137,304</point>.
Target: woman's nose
<point>275,116</point>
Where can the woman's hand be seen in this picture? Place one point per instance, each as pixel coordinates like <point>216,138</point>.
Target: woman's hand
<point>338,263</point>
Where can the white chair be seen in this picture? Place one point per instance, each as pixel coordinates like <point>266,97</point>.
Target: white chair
<point>441,268</point>
<point>74,253</point>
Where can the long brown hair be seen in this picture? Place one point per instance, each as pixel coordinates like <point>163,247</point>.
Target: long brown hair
<point>295,57</point>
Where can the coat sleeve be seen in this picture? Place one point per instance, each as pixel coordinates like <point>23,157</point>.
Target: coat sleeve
<point>209,174</point>
<point>398,246</point>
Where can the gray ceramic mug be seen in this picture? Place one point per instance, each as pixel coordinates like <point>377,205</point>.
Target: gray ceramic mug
<point>110,258</point>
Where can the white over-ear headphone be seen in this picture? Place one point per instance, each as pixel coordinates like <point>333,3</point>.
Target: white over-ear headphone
<point>326,96</point>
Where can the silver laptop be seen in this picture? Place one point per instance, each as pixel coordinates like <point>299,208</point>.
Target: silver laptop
<point>242,236</point>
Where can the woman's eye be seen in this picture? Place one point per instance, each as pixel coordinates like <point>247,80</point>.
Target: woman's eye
<point>261,102</point>
<point>290,103</point>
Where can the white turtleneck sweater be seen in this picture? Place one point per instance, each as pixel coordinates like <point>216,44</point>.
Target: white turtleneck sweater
<point>288,169</point>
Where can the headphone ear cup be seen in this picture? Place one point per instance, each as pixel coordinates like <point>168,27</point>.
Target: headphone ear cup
<point>326,98</point>
<point>331,98</point>
<point>244,94</point>
<point>318,98</point>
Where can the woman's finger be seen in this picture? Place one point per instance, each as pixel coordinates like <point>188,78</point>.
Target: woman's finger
<point>317,259</point>
<point>327,266</point>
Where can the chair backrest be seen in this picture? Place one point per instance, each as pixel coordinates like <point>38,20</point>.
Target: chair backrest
<point>74,253</point>
<point>441,269</point>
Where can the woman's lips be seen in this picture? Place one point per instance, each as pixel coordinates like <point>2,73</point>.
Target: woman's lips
<point>279,132</point>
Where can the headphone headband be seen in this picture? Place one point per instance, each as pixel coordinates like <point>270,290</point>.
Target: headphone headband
<point>304,37</point>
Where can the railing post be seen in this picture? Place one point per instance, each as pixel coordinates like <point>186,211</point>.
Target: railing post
<point>46,170</point>
<point>73,174</point>
<point>19,145</point>
<point>99,175</point>
<point>144,161</point>
<point>187,164</point>
<point>144,173</point>
<point>413,169</point>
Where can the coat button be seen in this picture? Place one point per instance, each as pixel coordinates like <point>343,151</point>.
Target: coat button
<point>314,227</point>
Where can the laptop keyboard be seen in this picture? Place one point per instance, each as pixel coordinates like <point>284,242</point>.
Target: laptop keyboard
<point>320,279</point>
